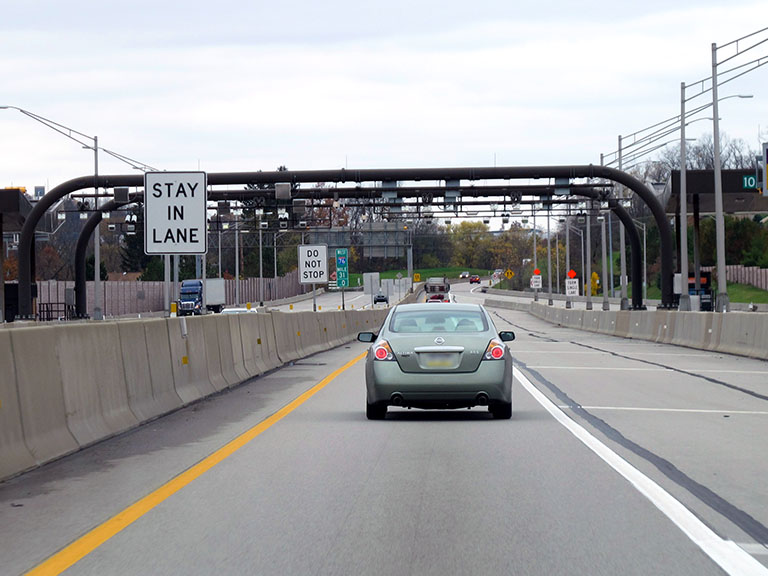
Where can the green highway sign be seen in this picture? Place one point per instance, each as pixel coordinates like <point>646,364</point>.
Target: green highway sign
<point>749,182</point>
<point>342,268</point>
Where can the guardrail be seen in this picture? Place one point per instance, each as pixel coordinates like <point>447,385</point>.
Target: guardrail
<point>65,387</point>
<point>740,333</point>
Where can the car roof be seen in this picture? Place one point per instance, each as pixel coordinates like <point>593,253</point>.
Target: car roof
<point>426,306</point>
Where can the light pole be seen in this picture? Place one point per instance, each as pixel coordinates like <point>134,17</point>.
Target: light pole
<point>588,280</point>
<point>549,262</point>
<point>78,137</point>
<point>237,264</point>
<point>567,256</point>
<point>606,304</point>
<point>723,302</point>
<point>274,257</point>
<point>568,253</point>
<point>261,266</point>
<point>622,251</point>
<point>557,259</point>
<point>535,258</point>
<point>93,145</point>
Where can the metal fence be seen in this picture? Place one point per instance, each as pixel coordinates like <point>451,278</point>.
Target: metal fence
<point>753,275</point>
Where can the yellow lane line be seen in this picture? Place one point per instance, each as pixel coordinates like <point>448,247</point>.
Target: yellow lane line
<point>86,544</point>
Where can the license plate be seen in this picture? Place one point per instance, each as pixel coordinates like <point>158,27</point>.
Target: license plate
<point>439,360</point>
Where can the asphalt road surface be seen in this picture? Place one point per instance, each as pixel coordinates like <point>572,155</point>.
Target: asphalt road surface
<point>621,457</point>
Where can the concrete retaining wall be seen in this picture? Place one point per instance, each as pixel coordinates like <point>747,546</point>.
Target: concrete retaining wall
<point>740,333</point>
<point>64,387</point>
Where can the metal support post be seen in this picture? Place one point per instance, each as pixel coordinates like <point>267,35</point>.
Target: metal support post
<point>535,258</point>
<point>549,263</point>
<point>557,261</point>
<point>588,278</point>
<point>204,275</point>
<point>610,252</point>
<point>723,303</point>
<point>685,300</point>
<point>606,304</point>
<point>410,259</point>
<point>167,283</point>
<point>261,269</point>
<point>568,255</point>
<point>97,305</point>
<point>237,265</point>
<point>622,250</point>
<point>175,286</point>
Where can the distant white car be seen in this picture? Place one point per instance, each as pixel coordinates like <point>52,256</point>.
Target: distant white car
<point>238,311</point>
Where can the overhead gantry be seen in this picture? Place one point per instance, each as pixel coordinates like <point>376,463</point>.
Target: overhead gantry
<point>450,175</point>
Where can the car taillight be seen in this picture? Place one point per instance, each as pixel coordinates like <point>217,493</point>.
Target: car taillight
<point>382,351</point>
<point>494,351</point>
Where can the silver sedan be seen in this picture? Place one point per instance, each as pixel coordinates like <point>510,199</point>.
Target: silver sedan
<point>428,356</point>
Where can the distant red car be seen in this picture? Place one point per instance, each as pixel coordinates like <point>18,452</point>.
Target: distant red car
<point>474,279</point>
<point>439,298</point>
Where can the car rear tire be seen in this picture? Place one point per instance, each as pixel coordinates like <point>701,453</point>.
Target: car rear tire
<point>501,411</point>
<point>375,411</point>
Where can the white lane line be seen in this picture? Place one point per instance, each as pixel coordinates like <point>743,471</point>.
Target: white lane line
<point>617,369</point>
<point>587,353</point>
<point>579,352</point>
<point>699,371</point>
<point>728,555</point>
<point>755,549</point>
<point>692,371</point>
<point>684,410</point>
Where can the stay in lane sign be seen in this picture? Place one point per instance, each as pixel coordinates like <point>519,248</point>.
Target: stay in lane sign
<point>313,264</point>
<point>175,213</point>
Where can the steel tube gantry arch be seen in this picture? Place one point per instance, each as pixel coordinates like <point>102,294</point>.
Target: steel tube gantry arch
<point>343,175</point>
<point>545,192</point>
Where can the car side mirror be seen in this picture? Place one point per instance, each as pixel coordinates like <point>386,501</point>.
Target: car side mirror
<point>507,336</point>
<point>366,336</point>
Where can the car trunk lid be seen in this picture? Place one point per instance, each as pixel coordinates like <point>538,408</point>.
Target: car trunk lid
<point>444,353</point>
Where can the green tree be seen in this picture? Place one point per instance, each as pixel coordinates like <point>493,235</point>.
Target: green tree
<point>471,247</point>
<point>89,268</point>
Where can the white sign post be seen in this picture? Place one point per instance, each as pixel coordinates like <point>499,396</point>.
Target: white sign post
<point>175,213</point>
<point>571,286</point>
<point>536,281</point>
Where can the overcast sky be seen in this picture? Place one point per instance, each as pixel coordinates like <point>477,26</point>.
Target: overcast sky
<point>240,86</point>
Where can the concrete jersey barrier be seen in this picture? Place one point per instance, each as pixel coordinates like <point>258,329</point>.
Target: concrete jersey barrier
<point>738,333</point>
<point>70,385</point>
<point>14,454</point>
<point>41,393</point>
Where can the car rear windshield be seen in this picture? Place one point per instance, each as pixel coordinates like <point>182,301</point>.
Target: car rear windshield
<point>442,320</point>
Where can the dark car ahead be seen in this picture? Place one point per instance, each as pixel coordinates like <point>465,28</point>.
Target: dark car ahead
<point>438,357</point>
<point>380,298</point>
<point>474,279</point>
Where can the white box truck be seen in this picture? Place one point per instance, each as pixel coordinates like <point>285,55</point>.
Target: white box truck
<point>191,296</point>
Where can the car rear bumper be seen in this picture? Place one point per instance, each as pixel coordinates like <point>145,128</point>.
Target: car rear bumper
<point>491,382</point>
